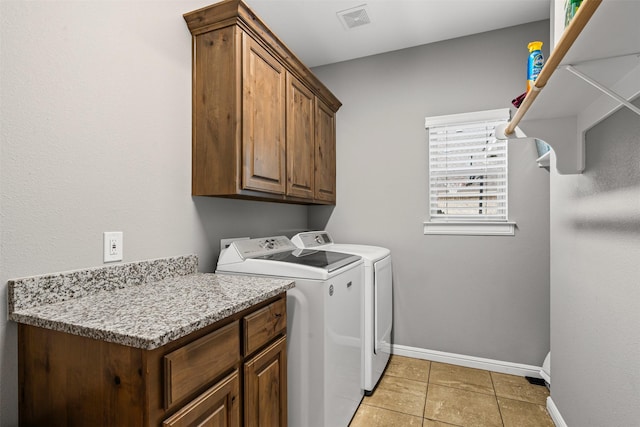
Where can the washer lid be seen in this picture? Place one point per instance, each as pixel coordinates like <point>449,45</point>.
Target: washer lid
<point>327,260</point>
<point>322,240</point>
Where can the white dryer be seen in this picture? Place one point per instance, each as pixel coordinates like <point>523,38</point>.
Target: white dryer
<point>324,332</point>
<point>377,299</point>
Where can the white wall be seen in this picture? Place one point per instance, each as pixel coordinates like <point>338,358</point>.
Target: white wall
<point>96,136</point>
<point>452,293</point>
<point>595,280</point>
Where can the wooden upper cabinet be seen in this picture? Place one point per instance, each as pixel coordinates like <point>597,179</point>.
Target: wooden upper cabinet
<point>263,119</point>
<point>216,109</point>
<point>256,113</point>
<point>325,153</point>
<point>300,139</point>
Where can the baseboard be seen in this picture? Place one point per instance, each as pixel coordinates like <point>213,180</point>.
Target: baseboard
<point>555,414</point>
<point>468,361</point>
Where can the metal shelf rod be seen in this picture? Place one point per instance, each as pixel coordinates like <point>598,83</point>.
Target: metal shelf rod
<point>602,88</point>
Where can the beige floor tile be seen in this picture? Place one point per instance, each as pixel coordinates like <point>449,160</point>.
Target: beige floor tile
<point>371,416</point>
<point>462,407</point>
<point>516,413</point>
<point>408,367</point>
<point>461,377</point>
<point>432,423</point>
<point>399,394</point>
<point>518,388</point>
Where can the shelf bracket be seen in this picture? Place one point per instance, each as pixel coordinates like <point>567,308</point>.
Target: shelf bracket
<point>520,136</point>
<point>601,88</point>
<point>561,134</point>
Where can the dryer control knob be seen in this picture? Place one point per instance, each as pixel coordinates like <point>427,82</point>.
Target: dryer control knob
<point>268,244</point>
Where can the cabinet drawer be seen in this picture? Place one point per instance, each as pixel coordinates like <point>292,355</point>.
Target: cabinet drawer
<point>263,325</point>
<point>197,364</point>
<point>218,406</point>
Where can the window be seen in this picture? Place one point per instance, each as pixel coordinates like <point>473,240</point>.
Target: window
<point>468,178</point>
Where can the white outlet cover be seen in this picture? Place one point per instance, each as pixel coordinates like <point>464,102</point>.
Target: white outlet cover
<point>112,246</point>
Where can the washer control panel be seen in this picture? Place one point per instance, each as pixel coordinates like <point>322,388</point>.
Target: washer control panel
<point>253,248</point>
<point>312,239</point>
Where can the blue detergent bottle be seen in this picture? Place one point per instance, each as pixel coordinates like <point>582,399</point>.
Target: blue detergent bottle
<point>535,63</point>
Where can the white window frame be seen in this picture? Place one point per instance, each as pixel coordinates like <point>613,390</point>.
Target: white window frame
<point>469,226</point>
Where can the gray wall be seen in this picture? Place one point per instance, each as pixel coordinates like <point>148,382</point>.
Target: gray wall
<point>595,280</point>
<point>96,136</point>
<point>471,295</point>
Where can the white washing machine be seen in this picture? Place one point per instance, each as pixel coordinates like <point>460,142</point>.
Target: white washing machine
<point>378,301</point>
<point>324,326</point>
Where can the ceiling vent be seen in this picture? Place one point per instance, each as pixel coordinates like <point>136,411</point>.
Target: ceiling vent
<point>354,17</point>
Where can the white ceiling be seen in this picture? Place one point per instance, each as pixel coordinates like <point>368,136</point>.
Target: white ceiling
<point>313,31</point>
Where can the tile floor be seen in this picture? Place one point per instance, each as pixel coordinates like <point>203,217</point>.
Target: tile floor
<point>415,392</point>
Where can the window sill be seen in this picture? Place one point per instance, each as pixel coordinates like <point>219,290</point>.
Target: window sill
<point>471,228</point>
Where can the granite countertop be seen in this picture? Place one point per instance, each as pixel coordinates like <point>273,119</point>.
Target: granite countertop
<point>144,315</point>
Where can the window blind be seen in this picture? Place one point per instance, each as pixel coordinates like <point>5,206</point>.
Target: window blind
<point>467,167</point>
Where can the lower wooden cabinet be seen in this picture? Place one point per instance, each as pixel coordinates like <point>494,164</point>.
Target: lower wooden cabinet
<point>231,373</point>
<point>265,387</point>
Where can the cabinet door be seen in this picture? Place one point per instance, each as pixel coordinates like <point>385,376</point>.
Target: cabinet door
<point>263,121</point>
<point>216,165</point>
<point>265,387</point>
<point>300,137</point>
<point>217,407</point>
<point>325,153</point>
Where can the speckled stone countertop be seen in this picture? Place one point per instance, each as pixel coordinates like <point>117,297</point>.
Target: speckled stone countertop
<point>137,312</point>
